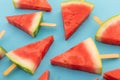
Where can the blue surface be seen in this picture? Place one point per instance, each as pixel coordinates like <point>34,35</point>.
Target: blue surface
<point>15,38</point>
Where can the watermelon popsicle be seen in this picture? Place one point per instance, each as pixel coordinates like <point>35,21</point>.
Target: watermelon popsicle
<point>29,23</point>
<point>74,13</point>
<point>109,31</point>
<point>29,56</point>
<point>33,4</point>
<point>84,56</point>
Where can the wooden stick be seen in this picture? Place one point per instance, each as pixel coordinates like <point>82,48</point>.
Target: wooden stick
<point>97,20</point>
<point>109,56</point>
<point>12,67</point>
<point>48,24</point>
<point>83,0</point>
<point>2,33</point>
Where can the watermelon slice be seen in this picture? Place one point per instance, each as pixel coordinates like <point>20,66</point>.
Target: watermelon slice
<point>112,75</point>
<point>96,79</point>
<point>83,56</point>
<point>74,13</point>
<point>109,31</point>
<point>29,57</point>
<point>33,4</point>
<point>2,52</point>
<point>30,23</point>
<point>44,76</point>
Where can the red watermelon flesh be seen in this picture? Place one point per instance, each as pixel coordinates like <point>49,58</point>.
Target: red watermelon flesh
<point>44,76</point>
<point>112,75</point>
<point>30,23</point>
<point>29,57</point>
<point>83,56</point>
<point>33,4</point>
<point>109,31</point>
<point>74,13</point>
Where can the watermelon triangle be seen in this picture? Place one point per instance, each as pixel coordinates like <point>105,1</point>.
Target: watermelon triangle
<point>112,75</point>
<point>29,57</point>
<point>44,76</point>
<point>30,23</point>
<point>74,13</point>
<point>83,56</point>
<point>109,31</point>
<point>33,4</point>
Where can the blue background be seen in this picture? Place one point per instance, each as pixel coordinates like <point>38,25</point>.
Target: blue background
<point>15,38</point>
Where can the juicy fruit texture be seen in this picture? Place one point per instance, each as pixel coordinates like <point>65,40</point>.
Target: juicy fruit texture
<point>2,52</point>
<point>109,31</point>
<point>29,57</point>
<point>112,75</point>
<point>83,56</point>
<point>44,76</point>
<point>32,4</point>
<point>74,13</point>
<point>30,23</point>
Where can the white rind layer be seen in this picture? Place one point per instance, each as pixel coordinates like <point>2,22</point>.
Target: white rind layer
<point>24,63</point>
<point>90,45</point>
<point>35,23</point>
<point>16,3</point>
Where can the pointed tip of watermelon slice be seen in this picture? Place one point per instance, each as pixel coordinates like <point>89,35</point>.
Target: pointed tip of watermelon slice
<point>44,76</point>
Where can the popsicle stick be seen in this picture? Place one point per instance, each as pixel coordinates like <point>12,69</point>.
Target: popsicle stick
<point>109,56</point>
<point>97,20</point>
<point>2,33</point>
<point>48,24</point>
<point>83,0</point>
<point>12,67</point>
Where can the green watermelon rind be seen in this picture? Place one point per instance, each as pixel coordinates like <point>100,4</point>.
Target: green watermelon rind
<point>24,67</point>
<point>2,51</point>
<point>14,3</point>
<point>97,36</point>
<point>77,1</point>
<point>37,25</point>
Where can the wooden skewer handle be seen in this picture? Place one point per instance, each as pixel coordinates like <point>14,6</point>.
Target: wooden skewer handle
<point>48,24</point>
<point>109,56</point>
<point>2,33</point>
<point>83,0</point>
<point>97,20</point>
<point>12,67</point>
